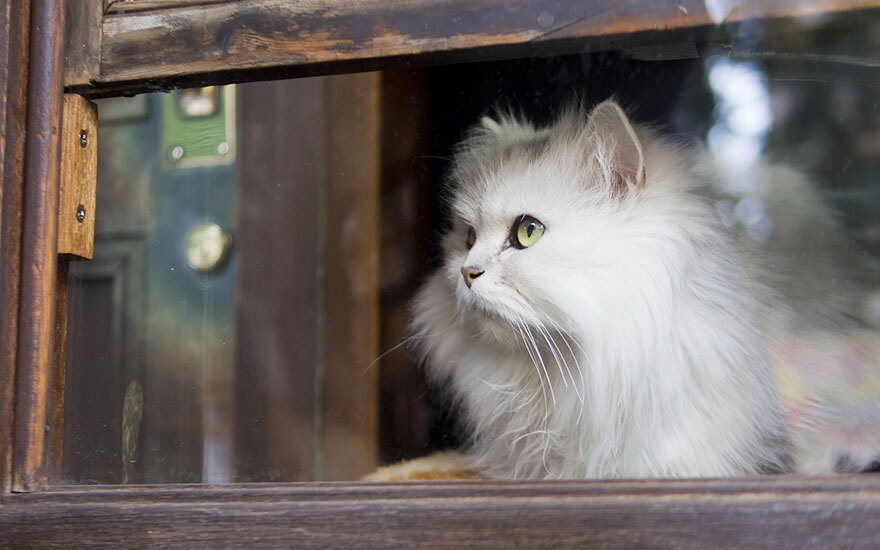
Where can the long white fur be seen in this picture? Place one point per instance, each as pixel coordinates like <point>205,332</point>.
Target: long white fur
<point>629,340</point>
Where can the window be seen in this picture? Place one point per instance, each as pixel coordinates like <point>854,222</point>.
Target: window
<point>257,243</point>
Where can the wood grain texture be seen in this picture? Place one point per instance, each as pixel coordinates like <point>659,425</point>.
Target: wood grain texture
<point>5,13</point>
<point>405,421</point>
<point>78,182</point>
<point>82,40</point>
<point>281,174</point>
<point>128,6</point>
<point>240,40</point>
<point>306,296</point>
<point>351,277</point>
<point>55,443</point>
<point>36,319</point>
<point>755,513</point>
<point>14,36</point>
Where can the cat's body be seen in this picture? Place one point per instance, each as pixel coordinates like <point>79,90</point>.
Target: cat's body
<point>632,338</point>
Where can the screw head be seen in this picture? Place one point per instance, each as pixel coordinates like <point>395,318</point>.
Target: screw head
<point>83,138</point>
<point>176,152</point>
<point>80,213</point>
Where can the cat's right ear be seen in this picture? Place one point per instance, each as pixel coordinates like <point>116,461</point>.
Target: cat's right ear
<point>624,160</point>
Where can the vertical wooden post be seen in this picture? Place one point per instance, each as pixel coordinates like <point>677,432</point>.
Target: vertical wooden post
<point>14,35</point>
<point>281,174</point>
<point>350,392</point>
<point>36,313</point>
<point>82,41</point>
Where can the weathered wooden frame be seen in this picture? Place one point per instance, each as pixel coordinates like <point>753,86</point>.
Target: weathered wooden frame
<point>769,513</point>
<point>111,50</point>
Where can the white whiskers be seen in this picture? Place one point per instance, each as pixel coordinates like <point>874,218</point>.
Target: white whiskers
<point>520,328</point>
<point>541,360</point>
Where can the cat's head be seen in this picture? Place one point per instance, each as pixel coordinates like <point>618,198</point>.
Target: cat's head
<point>537,214</point>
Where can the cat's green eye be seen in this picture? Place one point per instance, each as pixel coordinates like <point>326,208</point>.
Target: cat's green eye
<point>471,237</point>
<point>526,232</point>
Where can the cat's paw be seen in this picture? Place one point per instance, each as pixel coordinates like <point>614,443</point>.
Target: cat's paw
<point>447,465</point>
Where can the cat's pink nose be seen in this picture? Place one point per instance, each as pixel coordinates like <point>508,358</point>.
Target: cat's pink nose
<point>469,274</point>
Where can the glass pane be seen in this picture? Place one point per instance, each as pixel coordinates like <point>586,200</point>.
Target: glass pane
<point>259,247</point>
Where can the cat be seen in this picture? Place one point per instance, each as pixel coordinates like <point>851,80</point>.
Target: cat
<point>594,317</point>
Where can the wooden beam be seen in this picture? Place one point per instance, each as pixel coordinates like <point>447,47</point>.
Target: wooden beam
<point>175,44</point>
<point>281,175</point>
<point>14,35</point>
<point>128,6</point>
<point>36,313</point>
<point>780,512</point>
<point>55,414</point>
<point>82,40</point>
<point>350,415</point>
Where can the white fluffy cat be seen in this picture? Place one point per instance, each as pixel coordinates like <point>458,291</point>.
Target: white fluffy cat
<point>593,316</point>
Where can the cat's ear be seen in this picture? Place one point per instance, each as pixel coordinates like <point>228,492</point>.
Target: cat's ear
<point>613,128</point>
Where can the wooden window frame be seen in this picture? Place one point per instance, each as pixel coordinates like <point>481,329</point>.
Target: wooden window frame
<point>111,51</point>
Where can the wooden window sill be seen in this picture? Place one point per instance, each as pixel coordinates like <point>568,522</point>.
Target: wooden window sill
<point>777,512</point>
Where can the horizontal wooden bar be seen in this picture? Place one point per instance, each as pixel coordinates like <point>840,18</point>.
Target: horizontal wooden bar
<point>782,512</point>
<point>127,6</point>
<point>174,44</point>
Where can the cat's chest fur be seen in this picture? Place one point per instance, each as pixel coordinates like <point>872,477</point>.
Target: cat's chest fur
<point>562,403</point>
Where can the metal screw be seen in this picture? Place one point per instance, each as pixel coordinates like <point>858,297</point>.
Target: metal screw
<point>80,213</point>
<point>177,152</point>
<point>223,148</point>
<point>83,138</point>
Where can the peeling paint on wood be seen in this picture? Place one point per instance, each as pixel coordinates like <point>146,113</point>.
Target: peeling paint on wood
<point>166,44</point>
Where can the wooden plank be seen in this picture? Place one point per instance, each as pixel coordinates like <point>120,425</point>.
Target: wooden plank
<point>36,322</point>
<point>128,6</point>
<point>299,415</point>
<point>82,40</point>
<point>7,372</point>
<point>351,276</point>
<point>5,24</point>
<point>76,236</point>
<point>241,40</point>
<point>757,513</point>
<point>406,228</point>
<point>15,25</point>
<point>78,182</point>
<point>55,415</point>
<point>281,174</point>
